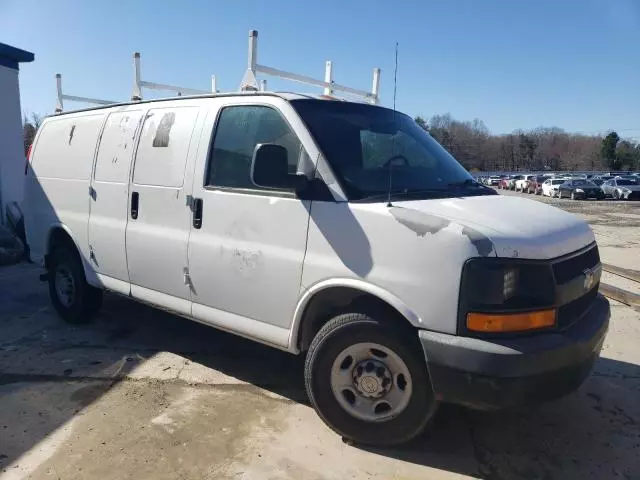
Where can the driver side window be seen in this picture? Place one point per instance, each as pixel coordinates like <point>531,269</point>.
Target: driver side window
<point>239,129</point>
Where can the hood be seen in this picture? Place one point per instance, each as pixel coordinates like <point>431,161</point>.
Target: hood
<point>504,226</point>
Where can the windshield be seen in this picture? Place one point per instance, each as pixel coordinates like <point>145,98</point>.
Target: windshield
<point>557,182</point>
<point>583,183</point>
<point>372,149</point>
<point>622,181</point>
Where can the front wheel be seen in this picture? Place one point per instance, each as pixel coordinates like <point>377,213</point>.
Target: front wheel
<point>368,380</point>
<point>72,297</point>
<point>616,195</point>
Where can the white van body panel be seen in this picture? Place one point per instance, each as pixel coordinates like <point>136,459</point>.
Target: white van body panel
<point>57,182</point>
<point>516,227</point>
<point>418,261</point>
<point>246,260</point>
<point>109,198</point>
<point>415,250</point>
<point>157,240</point>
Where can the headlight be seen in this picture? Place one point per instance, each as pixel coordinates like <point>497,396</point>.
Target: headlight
<point>579,190</point>
<point>494,286</point>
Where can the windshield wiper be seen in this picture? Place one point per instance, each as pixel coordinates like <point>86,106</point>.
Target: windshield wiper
<point>427,192</point>
<point>469,182</point>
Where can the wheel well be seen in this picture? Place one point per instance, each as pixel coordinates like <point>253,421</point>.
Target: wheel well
<point>58,237</point>
<point>330,302</point>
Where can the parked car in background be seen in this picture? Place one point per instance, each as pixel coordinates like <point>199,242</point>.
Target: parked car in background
<point>512,181</point>
<point>504,182</point>
<point>627,177</point>
<point>523,183</point>
<point>577,189</point>
<point>550,186</point>
<point>493,180</point>
<point>535,184</point>
<point>621,188</point>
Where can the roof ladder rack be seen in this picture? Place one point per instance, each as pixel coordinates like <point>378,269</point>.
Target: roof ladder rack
<point>138,84</point>
<point>250,83</point>
<point>74,98</point>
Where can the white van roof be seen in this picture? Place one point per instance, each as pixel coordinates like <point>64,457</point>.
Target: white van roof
<point>288,96</point>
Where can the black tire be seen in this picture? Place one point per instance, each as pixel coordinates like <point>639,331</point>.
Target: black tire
<point>352,328</point>
<point>616,195</point>
<point>85,300</point>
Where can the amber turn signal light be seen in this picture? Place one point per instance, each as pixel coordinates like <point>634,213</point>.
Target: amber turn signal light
<point>511,322</point>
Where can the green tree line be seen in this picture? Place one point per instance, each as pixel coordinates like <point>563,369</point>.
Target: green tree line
<point>471,143</point>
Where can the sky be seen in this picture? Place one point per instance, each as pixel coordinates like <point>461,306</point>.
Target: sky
<point>574,64</point>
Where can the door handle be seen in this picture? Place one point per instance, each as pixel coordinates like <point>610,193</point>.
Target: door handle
<point>135,200</point>
<point>197,212</point>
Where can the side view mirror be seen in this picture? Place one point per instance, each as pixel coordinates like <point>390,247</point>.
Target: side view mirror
<point>270,168</point>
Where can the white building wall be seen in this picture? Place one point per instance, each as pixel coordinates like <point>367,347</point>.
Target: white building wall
<point>12,160</point>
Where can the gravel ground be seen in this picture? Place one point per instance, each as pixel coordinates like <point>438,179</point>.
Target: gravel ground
<point>608,212</point>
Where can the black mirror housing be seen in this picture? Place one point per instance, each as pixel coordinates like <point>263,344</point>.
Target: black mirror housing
<point>270,168</point>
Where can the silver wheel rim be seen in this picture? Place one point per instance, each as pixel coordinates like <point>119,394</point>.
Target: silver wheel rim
<point>65,285</point>
<point>371,382</point>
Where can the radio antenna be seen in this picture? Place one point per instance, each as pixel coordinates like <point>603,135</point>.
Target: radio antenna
<point>395,126</point>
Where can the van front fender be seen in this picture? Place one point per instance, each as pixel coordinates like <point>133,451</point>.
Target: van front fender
<point>353,284</point>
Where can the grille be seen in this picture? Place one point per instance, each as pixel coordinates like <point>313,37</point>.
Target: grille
<point>566,270</point>
<point>572,311</point>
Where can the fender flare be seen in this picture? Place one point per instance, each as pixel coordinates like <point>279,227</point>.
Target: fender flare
<point>89,273</point>
<point>355,284</point>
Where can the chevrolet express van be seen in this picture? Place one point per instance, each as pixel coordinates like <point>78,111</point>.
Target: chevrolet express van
<point>338,230</point>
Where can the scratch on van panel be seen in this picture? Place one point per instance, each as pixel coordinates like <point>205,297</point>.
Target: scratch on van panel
<point>482,243</point>
<point>246,261</point>
<point>419,222</point>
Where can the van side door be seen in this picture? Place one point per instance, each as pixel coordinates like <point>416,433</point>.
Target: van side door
<point>109,193</point>
<point>247,243</point>
<point>159,216</point>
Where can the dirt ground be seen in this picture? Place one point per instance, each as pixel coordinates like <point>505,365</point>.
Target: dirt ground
<point>140,393</point>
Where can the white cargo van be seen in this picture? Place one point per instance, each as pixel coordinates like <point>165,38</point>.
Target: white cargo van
<point>333,229</point>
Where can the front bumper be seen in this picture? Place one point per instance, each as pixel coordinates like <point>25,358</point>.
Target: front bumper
<point>490,374</point>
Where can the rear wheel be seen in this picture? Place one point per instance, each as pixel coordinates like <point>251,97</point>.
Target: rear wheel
<point>73,298</point>
<point>368,380</point>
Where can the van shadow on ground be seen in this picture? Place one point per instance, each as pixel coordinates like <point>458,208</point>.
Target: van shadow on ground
<point>594,433</point>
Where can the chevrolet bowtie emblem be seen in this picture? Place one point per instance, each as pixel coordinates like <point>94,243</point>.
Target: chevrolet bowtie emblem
<point>589,279</point>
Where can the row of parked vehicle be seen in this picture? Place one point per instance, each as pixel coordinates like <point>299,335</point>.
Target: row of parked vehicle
<point>620,186</point>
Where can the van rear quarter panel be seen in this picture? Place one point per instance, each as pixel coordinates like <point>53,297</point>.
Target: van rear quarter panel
<point>57,183</point>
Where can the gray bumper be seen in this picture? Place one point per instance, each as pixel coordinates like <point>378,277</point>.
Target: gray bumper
<point>499,373</point>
